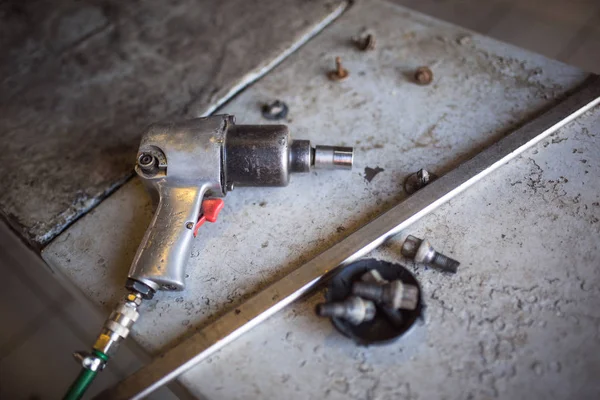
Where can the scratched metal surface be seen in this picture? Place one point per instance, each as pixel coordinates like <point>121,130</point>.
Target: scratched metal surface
<point>517,320</point>
<point>81,80</point>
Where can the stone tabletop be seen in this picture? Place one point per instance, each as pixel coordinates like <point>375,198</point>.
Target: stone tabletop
<point>518,320</point>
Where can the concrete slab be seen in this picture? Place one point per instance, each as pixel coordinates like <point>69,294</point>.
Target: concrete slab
<point>81,80</point>
<point>501,325</point>
<point>520,320</point>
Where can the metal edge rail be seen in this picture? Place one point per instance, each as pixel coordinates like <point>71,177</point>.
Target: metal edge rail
<point>278,295</point>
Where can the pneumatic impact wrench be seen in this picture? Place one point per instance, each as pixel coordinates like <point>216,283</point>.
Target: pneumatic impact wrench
<point>188,167</point>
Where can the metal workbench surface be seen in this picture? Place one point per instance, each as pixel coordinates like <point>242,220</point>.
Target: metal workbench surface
<point>519,319</point>
<point>81,79</point>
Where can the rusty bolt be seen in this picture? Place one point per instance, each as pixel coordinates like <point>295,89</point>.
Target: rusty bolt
<point>364,42</point>
<point>339,73</point>
<point>423,76</point>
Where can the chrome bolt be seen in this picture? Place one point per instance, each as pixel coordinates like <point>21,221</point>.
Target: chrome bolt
<point>421,251</point>
<point>394,294</point>
<point>354,310</point>
<point>393,315</point>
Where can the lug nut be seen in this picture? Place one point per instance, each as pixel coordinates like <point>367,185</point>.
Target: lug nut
<point>394,294</point>
<point>393,315</point>
<point>421,251</point>
<point>339,72</point>
<point>354,310</point>
<point>418,180</point>
<point>423,75</point>
<point>364,41</point>
<point>275,110</point>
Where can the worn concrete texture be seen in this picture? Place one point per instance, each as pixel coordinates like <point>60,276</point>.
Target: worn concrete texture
<point>81,80</point>
<point>504,326</point>
<point>520,320</point>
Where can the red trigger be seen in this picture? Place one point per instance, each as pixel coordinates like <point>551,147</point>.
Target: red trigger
<point>210,211</point>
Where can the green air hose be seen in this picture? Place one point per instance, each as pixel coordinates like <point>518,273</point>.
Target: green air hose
<point>116,328</point>
<point>84,380</point>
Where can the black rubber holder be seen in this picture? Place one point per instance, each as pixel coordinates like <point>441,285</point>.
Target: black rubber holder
<point>379,330</point>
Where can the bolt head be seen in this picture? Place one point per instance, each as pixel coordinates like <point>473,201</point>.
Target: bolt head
<point>365,42</point>
<point>423,176</point>
<point>425,252</point>
<point>338,75</point>
<point>275,111</point>
<point>423,76</point>
<point>373,276</point>
<point>410,246</point>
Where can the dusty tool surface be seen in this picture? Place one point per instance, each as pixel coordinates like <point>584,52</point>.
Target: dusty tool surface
<point>82,80</point>
<point>510,323</point>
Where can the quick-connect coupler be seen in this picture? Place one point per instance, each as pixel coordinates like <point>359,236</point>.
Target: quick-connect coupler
<point>119,323</point>
<point>115,330</point>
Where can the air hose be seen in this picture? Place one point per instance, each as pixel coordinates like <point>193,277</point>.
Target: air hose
<point>86,377</point>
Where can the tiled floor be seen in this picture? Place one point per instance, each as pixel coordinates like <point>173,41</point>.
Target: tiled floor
<point>43,323</point>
